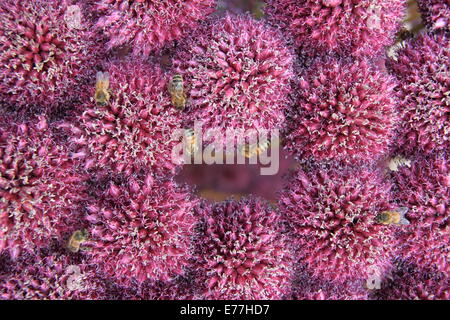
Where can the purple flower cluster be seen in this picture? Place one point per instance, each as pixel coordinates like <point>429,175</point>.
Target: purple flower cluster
<point>140,228</point>
<point>243,251</point>
<point>90,206</point>
<point>422,67</point>
<point>347,27</point>
<point>424,188</point>
<point>39,188</point>
<point>134,129</point>
<point>148,25</point>
<point>239,71</point>
<point>345,112</point>
<point>46,50</point>
<point>435,13</point>
<point>331,214</point>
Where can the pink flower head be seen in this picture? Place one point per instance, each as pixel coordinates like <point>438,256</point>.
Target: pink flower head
<point>238,72</point>
<point>331,214</point>
<point>45,50</point>
<point>435,13</point>
<point>422,68</point>
<point>140,228</point>
<point>187,286</point>
<point>39,188</point>
<point>407,281</point>
<point>424,189</point>
<point>50,275</point>
<point>346,112</point>
<point>134,129</point>
<point>243,252</point>
<point>306,286</point>
<point>148,25</point>
<point>360,28</point>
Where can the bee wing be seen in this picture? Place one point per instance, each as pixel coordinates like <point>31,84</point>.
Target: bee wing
<point>404,221</point>
<point>103,78</point>
<point>170,87</point>
<point>99,76</point>
<point>402,211</point>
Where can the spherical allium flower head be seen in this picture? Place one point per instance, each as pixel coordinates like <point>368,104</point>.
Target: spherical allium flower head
<point>243,252</point>
<point>306,286</point>
<point>134,128</point>
<point>331,214</point>
<point>187,286</point>
<point>50,275</point>
<point>345,112</point>
<point>141,228</point>
<point>359,28</point>
<point>407,281</point>
<point>424,189</point>
<point>39,187</point>
<point>422,68</point>
<point>45,49</point>
<point>435,13</point>
<point>238,73</point>
<point>148,25</point>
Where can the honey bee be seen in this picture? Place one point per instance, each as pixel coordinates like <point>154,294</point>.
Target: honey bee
<point>396,216</point>
<point>256,149</point>
<point>101,88</point>
<point>76,239</point>
<point>191,141</point>
<point>176,89</point>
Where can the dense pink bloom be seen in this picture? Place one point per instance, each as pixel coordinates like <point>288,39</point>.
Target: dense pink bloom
<point>45,51</point>
<point>238,72</point>
<point>140,227</point>
<point>50,275</point>
<point>422,68</point>
<point>306,286</point>
<point>331,214</point>
<point>134,129</point>
<point>241,248</point>
<point>39,188</point>
<point>187,286</point>
<point>407,281</point>
<point>424,189</point>
<point>345,112</point>
<point>359,28</point>
<point>435,13</point>
<point>148,25</point>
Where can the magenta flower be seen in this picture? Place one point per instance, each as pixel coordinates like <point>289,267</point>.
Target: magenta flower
<point>407,281</point>
<point>241,248</point>
<point>45,51</point>
<point>238,71</point>
<point>306,286</point>
<point>435,13</point>
<point>140,227</point>
<point>345,112</point>
<point>148,25</point>
<point>50,275</point>
<point>331,214</point>
<point>187,286</point>
<point>422,68</point>
<point>359,28</point>
<point>424,189</point>
<point>39,188</point>
<point>134,129</point>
